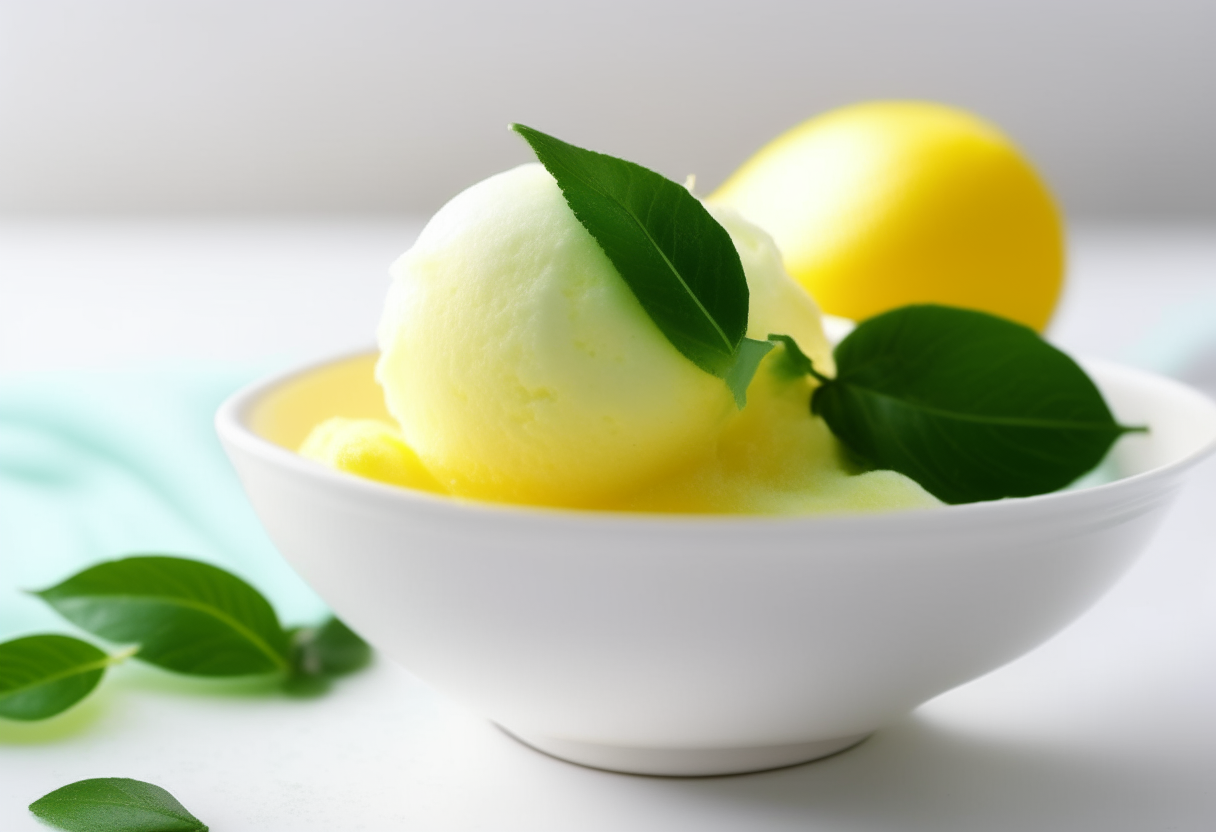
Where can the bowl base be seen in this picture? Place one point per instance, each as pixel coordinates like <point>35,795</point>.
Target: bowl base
<point>684,762</point>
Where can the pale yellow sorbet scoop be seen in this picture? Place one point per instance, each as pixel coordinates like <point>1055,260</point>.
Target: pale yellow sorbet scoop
<point>521,368</point>
<point>368,448</point>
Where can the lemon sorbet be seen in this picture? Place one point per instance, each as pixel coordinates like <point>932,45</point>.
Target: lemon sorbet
<point>888,203</point>
<point>368,448</point>
<point>520,368</point>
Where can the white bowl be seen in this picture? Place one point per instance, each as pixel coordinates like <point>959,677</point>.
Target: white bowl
<point>685,645</point>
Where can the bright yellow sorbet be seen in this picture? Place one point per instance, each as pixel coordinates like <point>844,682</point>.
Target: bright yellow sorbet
<point>368,448</point>
<point>520,368</point>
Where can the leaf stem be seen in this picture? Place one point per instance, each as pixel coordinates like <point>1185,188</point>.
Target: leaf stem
<point>124,654</point>
<point>796,359</point>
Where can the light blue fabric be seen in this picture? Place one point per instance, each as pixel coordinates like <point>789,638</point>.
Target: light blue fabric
<point>1182,343</point>
<point>97,465</point>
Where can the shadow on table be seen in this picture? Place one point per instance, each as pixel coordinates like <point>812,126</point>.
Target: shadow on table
<point>125,680</point>
<point>918,776</point>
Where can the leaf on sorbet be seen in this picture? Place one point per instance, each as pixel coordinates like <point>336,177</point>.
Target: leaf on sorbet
<point>971,406</point>
<point>795,362</point>
<point>677,259</point>
<point>740,373</point>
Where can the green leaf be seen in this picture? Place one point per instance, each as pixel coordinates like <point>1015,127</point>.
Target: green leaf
<point>747,360</point>
<point>677,259</point>
<point>336,649</point>
<point>187,616</point>
<point>971,406</point>
<point>795,361</point>
<point>115,804</point>
<point>318,654</point>
<point>44,675</point>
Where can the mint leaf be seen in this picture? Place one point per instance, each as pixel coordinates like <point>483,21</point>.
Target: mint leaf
<point>795,362</point>
<point>739,374</point>
<point>44,675</point>
<point>187,616</point>
<point>334,649</point>
<point>321,653</point>
<point>115,804</point>
<point>677,259</point>
<point>971,406</point>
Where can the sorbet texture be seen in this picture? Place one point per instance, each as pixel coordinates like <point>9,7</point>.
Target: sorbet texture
<point>520,368</point>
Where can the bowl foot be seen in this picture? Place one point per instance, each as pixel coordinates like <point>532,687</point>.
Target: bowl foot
<point>684,762</point>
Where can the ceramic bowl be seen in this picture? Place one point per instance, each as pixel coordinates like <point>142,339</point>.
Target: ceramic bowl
<point>684,645</point>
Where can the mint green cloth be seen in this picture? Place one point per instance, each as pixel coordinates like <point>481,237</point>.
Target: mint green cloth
<point>98,465</point>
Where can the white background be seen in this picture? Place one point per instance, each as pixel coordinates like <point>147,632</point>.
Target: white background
<point>368,105</point>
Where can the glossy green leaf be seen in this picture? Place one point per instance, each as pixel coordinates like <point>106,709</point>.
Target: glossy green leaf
<point>971,406</point>
<point>677,259</point>
<point>115,804</point>
<point>187,616</point>
<point>44,675</point>
<point>794,361</point>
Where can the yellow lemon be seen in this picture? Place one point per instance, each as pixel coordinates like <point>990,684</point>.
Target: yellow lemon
<point>887,203</point>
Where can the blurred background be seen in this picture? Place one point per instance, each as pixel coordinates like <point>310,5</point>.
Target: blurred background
<point>172,171</point>
<point>320,106</point>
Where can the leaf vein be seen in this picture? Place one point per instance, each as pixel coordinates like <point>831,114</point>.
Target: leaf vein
<point>214,612</point>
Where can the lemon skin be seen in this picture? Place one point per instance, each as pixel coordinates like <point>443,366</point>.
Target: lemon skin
<point>888,203</point>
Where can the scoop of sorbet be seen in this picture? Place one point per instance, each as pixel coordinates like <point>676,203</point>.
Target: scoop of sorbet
<point>521,368</point>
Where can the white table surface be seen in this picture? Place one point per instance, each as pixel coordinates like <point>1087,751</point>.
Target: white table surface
<point>1111,726</point>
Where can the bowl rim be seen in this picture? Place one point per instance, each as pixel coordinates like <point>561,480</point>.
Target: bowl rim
<point>231,425</point>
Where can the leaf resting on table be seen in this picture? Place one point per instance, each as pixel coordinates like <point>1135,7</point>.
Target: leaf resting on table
<point>44,675</point>
<point>115,804</point>
<point>187,616</point>
<point>319,654</point>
